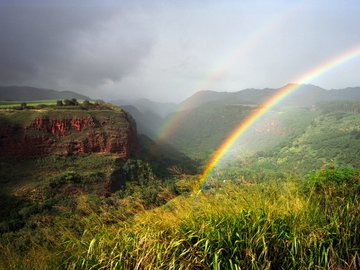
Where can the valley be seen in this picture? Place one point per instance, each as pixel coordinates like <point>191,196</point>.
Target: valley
<point>88,186</point>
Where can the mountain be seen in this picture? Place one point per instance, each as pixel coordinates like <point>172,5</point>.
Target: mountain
<point>305,95</point>
<point>200,131</point>
<point>26,93</point>
<point>349,93</point>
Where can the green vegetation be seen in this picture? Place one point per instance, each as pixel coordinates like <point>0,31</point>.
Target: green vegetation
<point>290,201</point>
<point>72,103</point>
<point>203,129</point>
<point>274,225</point>
<point>34,103</point>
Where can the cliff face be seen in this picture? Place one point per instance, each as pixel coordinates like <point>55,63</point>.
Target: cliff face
<point>69,133</point>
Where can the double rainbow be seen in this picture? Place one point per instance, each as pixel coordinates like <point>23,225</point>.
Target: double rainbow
<point>269,104</point>
<point>246,46</point>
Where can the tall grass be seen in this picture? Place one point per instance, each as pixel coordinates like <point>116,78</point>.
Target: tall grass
<point>287,225</point>
<point>272,226</point>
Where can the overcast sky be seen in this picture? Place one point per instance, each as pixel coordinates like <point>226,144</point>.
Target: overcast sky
<point>168,50</point>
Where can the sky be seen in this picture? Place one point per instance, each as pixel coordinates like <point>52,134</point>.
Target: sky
<point>167,50</point>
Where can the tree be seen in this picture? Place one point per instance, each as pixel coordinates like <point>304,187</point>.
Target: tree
<point>74,102</point>
<point>59,103</point>
<point>86,103</point>
<point>23,105</point>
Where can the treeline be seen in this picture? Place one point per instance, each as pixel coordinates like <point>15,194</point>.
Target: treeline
<point>341,106</point>
<point>66,103</point>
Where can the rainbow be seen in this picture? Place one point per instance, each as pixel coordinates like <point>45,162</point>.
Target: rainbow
<point>257,37</point>
<point>280,95</point>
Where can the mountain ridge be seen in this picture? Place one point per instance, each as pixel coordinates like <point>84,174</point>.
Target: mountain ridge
<point>306,95</point>
<point>28,93</point>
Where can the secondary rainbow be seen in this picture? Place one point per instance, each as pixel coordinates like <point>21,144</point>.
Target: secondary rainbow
<point>250,42</point>
<point>269,104</point>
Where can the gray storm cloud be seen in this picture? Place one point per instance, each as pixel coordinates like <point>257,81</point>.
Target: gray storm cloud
<point>81,47</point>
<point>167,50</point>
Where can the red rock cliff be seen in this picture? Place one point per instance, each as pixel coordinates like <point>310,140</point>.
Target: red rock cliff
<point>113,132</point>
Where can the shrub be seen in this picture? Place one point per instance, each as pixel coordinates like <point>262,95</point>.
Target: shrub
<point>323,179</point>
<point>65,177</point>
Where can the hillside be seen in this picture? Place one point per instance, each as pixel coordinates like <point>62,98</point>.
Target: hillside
<point>95,208</point>
<point>328,136</point>
<point>26,93</point>
<point>332,137</point>
<point>201,130</point>
<point>305,95</point>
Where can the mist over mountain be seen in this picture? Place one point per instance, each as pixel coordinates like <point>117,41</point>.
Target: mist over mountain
<point>149,115</point>
<point>27,93</point>
<point>144,105</point>
<point>148,122</point>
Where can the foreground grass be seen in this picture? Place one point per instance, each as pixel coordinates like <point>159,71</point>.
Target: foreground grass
<point>285,225</point>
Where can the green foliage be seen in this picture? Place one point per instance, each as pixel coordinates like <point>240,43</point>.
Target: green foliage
<point>267,226</point>
<point>137,171</point>
<point>202,130</point>
<point>346,106</point>
<point>71,102</point>
<point>328,139</point>
<point>64,178</point>
<point>232,225</point>
<point>341,183</point>
<point>255,212</point>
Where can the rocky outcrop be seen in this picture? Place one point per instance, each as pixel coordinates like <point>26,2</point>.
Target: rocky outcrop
<point>62,127</point>
<point>111,132</point>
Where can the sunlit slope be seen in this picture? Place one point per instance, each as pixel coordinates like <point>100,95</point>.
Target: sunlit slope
<point>331,137</point>
<point>287,225</point>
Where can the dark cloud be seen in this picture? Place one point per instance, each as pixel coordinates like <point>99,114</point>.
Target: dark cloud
<point>69,46</point>
<point>167,50</point>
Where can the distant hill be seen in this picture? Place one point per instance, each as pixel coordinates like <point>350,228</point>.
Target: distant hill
<point>26,93</point>
<point>149,115</point>
<point>305,95</point>
<point>145,105</point>
<point>147,123</point>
